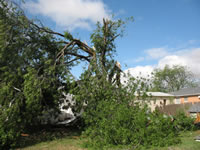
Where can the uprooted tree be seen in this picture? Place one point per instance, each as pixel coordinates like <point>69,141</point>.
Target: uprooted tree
<point>36,61</point>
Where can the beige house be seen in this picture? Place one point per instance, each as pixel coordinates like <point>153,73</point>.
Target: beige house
<point>157,99</point>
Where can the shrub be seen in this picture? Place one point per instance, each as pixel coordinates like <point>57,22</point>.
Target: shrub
<point>183,122</point>
<point>113,118</point>
<point>119,124</point>
<point>161,131</point>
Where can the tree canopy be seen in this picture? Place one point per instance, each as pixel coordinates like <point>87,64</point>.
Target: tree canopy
<point>170,79</point>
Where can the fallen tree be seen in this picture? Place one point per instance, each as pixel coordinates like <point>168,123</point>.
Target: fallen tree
<point>34,63</point>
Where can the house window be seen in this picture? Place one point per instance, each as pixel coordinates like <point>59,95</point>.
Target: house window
<point>178,100</point>
<point>185,99</point>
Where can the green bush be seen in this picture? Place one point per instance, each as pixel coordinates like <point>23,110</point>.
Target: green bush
<point>161,131</point>
<point>113,117</point>
<point>184,122</point>
<point>122,125</point>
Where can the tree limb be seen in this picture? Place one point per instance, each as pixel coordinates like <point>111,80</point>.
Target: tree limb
<point>47,30</point>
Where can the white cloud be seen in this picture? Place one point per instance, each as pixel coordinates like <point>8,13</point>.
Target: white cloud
<point>70,14</point>
<point>140,71</point>
<point>155,53</point>
<point>189,58</point>
<point>137,72</point>
<point>186,57</point>
<point>171,60</point>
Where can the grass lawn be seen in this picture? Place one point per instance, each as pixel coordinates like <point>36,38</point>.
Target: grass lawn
<point>52,139</point>
<point>71,141</point>
<point>66,143</point>
<point>188,142</point>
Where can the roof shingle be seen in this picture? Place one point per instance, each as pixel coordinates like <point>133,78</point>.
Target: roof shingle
<point>187,91</point>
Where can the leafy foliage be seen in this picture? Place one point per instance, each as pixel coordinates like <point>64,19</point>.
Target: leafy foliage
<point>183,122</point>
<point>29,77</point>
<point>111,113</point>
<point>172,79</point>
<point>113,117</point>
<point>34,63</point>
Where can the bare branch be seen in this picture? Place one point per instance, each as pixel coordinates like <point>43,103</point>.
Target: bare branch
<point>114,37</point>
<point>61,53</point>
<point>17,89</point>
<point>85,47</point>
<point>46,30</point>
<point>79,56</point>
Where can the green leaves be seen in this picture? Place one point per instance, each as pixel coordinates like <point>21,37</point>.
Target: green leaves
<point>32,92</point>
<point>183,122</point>
<point>172,79</point>
<point>114,118</point>
<point>68,36</point>
<point>29,77</point>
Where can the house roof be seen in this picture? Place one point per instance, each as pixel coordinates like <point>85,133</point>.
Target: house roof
<point>195,108</point>
<point>161,94</point>
<point>187,92</point>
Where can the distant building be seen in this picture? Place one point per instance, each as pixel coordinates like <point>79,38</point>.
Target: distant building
<point>187,95</point>
<point>157,99</point>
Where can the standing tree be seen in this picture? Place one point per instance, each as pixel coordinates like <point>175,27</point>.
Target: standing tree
<point>170,79</point>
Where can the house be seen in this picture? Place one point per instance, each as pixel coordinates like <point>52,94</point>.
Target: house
<point>157,99</point>
<point>187,95</point>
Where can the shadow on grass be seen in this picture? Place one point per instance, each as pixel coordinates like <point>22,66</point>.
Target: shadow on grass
<point>47,133</point>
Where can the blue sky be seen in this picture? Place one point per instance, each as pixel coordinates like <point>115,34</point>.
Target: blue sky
<point>163,31</point>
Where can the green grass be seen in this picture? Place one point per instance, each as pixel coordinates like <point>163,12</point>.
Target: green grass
<point>188,142</point>
<point>70,140</point>
<point>67,143</point>
<point>51,138</point>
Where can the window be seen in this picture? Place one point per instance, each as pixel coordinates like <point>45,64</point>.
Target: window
<point>185,99</point>
<point>178,100</point>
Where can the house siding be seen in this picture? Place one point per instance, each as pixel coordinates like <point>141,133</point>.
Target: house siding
<point>156,101</point>
<point>190,99</point>
<point>159,102</point>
